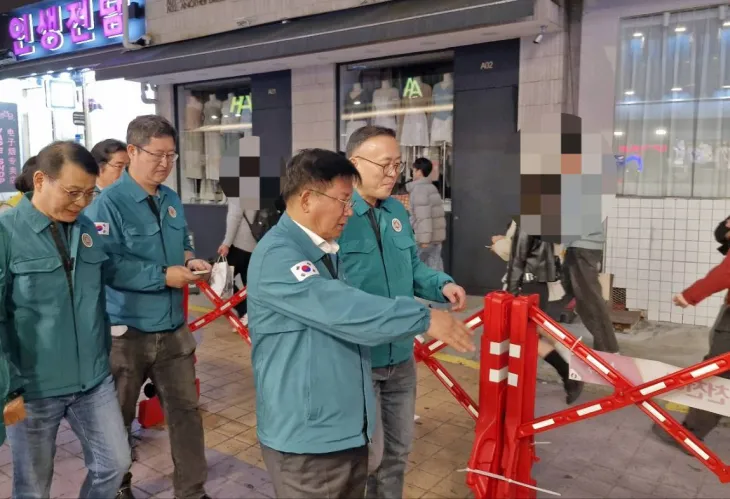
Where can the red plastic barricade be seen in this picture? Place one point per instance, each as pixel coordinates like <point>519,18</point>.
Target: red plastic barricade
<point>502,469</point>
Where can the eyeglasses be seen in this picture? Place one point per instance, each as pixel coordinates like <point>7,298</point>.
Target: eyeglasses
<point>118,166</point>
<point>348,204</point>
<point>163,157</point>
<point>391,170</point>
<point>74,196</point>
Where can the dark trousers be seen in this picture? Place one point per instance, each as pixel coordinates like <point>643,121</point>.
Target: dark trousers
<point>167,359</point>
<point>580,280</point>
<point>698,421</point>
<point>239,259</point>
<point>337,475</point>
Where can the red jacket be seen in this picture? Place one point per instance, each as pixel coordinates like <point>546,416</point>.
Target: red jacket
<point>715,281</point>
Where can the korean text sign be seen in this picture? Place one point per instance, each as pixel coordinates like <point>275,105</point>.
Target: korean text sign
<point>55,27</point>
<point>9,146</point>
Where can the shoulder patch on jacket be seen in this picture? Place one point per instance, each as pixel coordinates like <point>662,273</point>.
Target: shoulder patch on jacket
<point>304,269</point>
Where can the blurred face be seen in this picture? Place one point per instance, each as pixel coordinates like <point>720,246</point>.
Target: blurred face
<point>327,211</point>
<point>379,162</point>
<point>151,164</point>
<point>62,198</point>
<point>416,173</point>
<point>112,169</point>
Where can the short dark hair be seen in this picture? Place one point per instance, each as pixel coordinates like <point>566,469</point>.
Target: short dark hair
<point>363,134</point>
<point>315,168</point>
<point>24,181</point>
<point>423,164</point>
<point>104,150</point>
<point>143,129</point>
<point>52,158</point>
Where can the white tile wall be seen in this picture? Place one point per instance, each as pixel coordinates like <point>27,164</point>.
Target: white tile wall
<point>313,107</point>
<point>658,247</point>
<point>223,15</point>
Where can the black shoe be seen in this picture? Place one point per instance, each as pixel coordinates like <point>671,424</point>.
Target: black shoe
<point>573,389</point>
<point>668,439</point>
<point>125,493</point>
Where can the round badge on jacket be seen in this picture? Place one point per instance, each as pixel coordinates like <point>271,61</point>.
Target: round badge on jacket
<point>172,212</point>
<point>397,226</point>
<point>86,240</point>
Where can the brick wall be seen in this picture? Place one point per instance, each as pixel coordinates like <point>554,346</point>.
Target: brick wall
<point>313,107</point>
<point>225,15</point>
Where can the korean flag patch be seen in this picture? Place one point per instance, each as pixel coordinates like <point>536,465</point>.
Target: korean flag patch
<point>305,269</point>
<point>102,228</point>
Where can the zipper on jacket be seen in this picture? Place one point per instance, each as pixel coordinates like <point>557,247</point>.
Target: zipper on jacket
<point>68,267</point>
<point>376,229</point>
<point>364,400</point>
<point>153,206</point>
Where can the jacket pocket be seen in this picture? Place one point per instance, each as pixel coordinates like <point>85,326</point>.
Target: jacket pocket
<point>404,264</point>
<point>361,260</point>
<point>38,280</point>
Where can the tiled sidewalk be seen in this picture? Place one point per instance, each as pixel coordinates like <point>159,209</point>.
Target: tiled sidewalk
<point>609,456</point>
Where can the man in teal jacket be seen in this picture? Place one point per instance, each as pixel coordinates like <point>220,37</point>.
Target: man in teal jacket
<point>310,331</point>
<point>54,327</point>
<point>142,219</point>
<point>380,256</point>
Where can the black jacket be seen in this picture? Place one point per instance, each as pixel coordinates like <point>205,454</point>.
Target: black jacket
<point>533,260</point>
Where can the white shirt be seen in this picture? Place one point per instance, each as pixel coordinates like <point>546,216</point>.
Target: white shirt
<point>330,247</point>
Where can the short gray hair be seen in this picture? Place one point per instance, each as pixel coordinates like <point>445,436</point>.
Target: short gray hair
<point>143,129</point>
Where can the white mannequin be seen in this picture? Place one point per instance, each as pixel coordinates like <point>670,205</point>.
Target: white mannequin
<point>213,146</point>
<point>355,102</point>
<point>385,98</point>
<point>416,94</point>
<point>193,140</point>
<point>228,117</point>
<point>442,122</point>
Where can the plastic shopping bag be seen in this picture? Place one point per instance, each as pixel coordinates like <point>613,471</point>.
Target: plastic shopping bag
<point>219,277</point>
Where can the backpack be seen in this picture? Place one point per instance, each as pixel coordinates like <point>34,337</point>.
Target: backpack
<point>262,222</point>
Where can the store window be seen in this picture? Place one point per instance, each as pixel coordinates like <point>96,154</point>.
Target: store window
<point>672,119</point>
<point>212,117</point>
<point>412,95</point>
<point>69,105</point>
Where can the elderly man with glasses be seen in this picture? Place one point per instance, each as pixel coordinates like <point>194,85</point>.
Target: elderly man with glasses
<point>380,256</point>
<point>142,219</point>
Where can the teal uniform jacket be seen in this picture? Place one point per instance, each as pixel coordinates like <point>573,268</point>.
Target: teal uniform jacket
<point>128,226</point>
<point>53,324</point>
<point>310,334</point>
<point>389,267</point>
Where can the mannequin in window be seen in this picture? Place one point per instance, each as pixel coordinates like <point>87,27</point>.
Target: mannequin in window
<point>416,95</point>
<point>386,98</point>
<point>443,122</point>
<point>193,146</point>
<point>211,117</point>
<point>679,152</point>
<point>356,101</point>
<point>229,142</point>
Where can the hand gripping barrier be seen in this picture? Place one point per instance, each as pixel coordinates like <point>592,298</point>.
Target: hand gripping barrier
<point>502,469</point>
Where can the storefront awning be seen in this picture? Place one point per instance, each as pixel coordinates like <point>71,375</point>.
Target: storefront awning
<point>76,60</point>
<point>382,22</point>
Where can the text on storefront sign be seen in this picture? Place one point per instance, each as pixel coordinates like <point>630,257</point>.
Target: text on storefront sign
<point>60,26</point>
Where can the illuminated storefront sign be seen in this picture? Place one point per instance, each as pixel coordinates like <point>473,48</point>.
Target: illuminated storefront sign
<point>61,26</point>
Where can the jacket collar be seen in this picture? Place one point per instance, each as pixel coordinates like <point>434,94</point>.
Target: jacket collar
<point>37,220</point>
<point>361,207</point>
<point>134,189</point>
<point>300,237</point>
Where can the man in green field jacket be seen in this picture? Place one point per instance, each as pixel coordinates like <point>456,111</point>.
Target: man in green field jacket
<point>379,255</point>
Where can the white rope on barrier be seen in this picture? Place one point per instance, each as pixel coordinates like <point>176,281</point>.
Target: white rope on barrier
<point>509,480</point>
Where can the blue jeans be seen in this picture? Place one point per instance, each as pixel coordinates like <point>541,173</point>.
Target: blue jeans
<point>95,418</point>
<point>395,394</point>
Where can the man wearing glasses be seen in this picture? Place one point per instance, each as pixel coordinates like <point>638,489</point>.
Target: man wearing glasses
<point>140,218</point>
<point>380,256</point>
